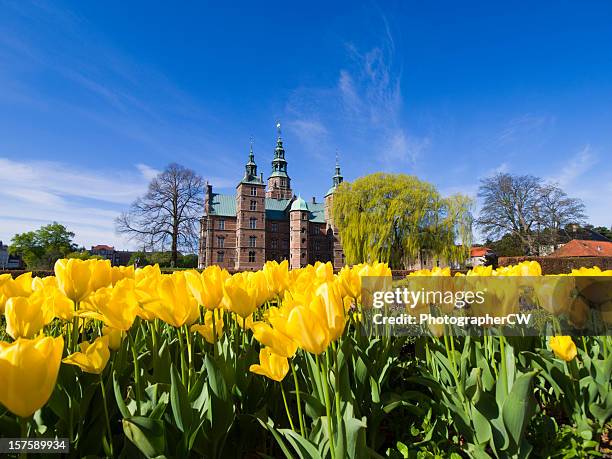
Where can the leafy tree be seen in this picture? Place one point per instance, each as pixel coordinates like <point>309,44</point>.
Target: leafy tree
<point>527,208</point>
<point>83,255</point>
<point>605,232</point>
<point>508,246</point>
<point>168,214</point>
<point>41,248</point>
<point>393,217</point>
<point>140,259</point>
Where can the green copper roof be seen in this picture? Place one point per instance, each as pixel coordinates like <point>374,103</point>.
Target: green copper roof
<point>224,205</point>
<point>278,174</point>
<point>299,204</point>
<point>252,180</point>
<point>276,209</point>
<point>317,212</point>
<point>330,191</point>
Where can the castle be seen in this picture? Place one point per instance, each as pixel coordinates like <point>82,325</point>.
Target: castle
<point>266,221</point>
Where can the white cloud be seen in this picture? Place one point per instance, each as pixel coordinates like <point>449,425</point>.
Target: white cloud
<point>147,172</point>
<point>577,166</point>
<point>35,193</point>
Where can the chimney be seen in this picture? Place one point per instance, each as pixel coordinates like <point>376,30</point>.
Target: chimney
<point>261,176</point>
<point>314,200</point>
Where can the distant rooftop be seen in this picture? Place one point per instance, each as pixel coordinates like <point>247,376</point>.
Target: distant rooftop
<point>580,248</point>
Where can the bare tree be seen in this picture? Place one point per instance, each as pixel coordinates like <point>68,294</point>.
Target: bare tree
<point>168,213</point>
<point>557,209</point>
<point>525,207</point>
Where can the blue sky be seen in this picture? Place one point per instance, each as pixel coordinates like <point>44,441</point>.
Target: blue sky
<point>95,97</point>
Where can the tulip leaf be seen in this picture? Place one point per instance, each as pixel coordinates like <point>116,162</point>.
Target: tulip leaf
<point>181,409</point>
<point>119,398</point>
<point>304,448</point>
<point>519,406</point>
<point>147,434</point>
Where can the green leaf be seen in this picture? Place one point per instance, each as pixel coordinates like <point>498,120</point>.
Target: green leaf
<point>147,434</point>
<point>179,401</point>
<point>304,448</point>
<point>119,398</point>
<point>519,406</point>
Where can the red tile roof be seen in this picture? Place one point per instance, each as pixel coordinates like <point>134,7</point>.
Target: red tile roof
<point>479,251</point>
<point>579,248</point>
<point>102,247</point>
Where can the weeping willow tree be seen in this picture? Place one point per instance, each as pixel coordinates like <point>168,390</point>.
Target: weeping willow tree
<point>394,217</point>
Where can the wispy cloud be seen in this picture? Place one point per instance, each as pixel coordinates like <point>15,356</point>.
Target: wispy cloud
<point>575,167</point>
<point>34,193</point>
<point>365,105</point>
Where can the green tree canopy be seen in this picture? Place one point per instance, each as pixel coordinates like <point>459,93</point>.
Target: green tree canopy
<point>41,248</point>
<point>392,217</point>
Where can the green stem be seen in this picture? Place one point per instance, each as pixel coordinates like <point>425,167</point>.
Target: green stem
<point>189,356</point>
<point>286,406</point>
<point>328,410</point>
<point>136,370</point>
<point>502,350</point>
<point>298,400</point>
<point>23,423</point>
<point>182,352</point>
<point>108,428</point>
<point>214,328</point>
<point>339,423</point>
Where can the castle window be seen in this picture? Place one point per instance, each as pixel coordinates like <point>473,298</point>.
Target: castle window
<point>304,216</point>
<point>252,241</point>
<point>317,245</point>
<point>220,242</point>
<point>221,224</point>
<point>252,223</point>
<point>253,205</point>
<point>303,230</point>
<point>274,243</point>
<point>283,183</point>
<point>304,241</point>
<point>274,227</point>
<point>220,256</point>
<point>252,256</point>
<point>303,254</point>
<point>253,191</point>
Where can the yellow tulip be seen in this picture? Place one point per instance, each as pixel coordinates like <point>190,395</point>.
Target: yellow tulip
<point>324,272</point>
<point>330,307</point>
<point>28,372</point>
<point>271,365</point>
<point>93,357</point>
<point>563,347</point>
<point>207,287</point>
<point>307,329</point>
<point>114,337</point>
<point>278,342</point>
<point>121,272</point>
<point>78,278</point>
<point>239,297</point>
<point>9,287</point>
<point>351,282</point>
<point>176,305</point>
<point>116,306</point>
<point>206,329</point>
<point>24,316</point>
<point>277,276</point>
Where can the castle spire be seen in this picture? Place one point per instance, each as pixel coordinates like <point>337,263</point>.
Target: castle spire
<point>337,178</point>
<point>250,169</point>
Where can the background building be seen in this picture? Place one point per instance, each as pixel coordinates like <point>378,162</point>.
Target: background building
<point>265,221</point>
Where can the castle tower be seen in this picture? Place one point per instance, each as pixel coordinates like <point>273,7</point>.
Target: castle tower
<point>205,252</point>
<point>250,219</point>
<point>279,183</point>
<point>332,230</point>
<point>298,229</point>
